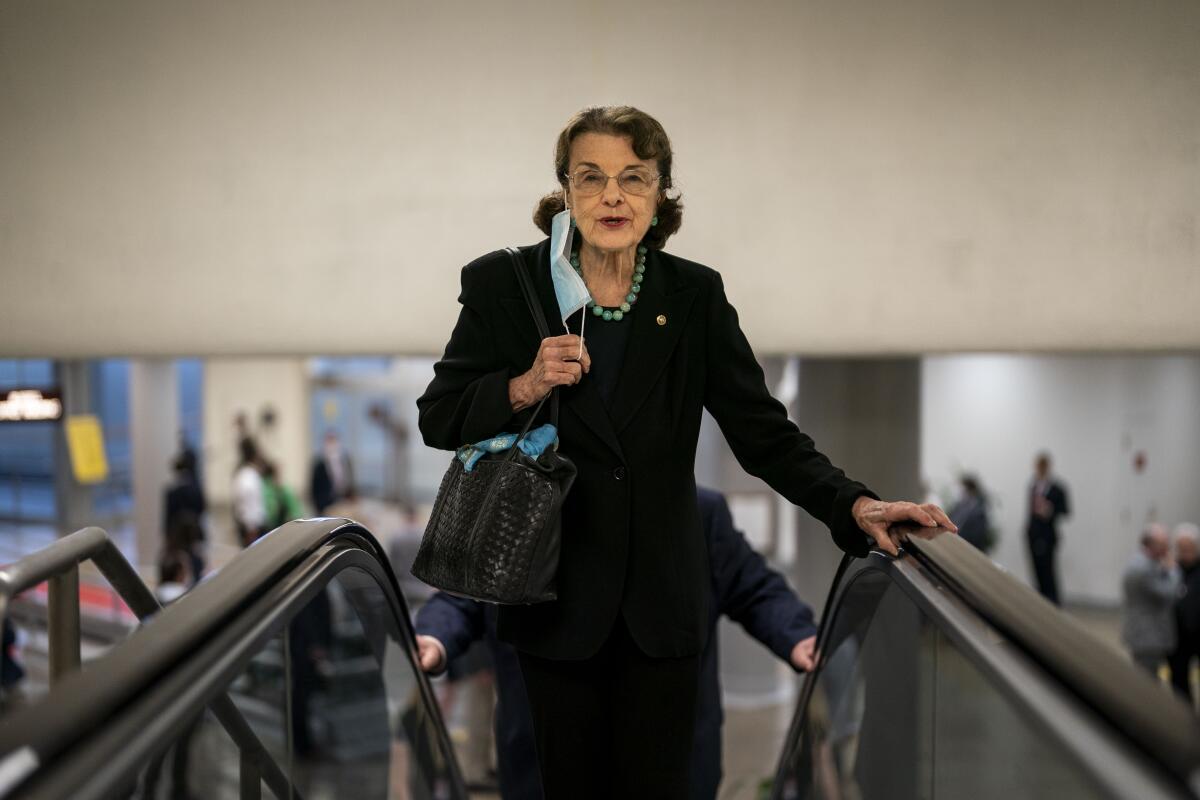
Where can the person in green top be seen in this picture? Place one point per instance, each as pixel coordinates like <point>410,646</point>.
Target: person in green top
<point>279,502</point>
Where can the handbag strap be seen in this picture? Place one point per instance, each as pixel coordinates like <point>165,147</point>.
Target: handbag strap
<point>539,318</point>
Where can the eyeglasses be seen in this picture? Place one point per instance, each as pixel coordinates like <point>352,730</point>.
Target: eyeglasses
<point>589,182</point>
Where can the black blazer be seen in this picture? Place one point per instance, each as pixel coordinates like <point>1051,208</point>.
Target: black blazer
<point>632,542</point>
<point>1047,529</point>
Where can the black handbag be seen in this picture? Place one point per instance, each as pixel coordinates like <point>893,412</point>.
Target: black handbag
<point>495,532</point>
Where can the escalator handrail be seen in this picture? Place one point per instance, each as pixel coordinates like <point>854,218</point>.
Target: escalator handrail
<point>1132,702</point>
<point>109,759</point>
<point>38,733</point>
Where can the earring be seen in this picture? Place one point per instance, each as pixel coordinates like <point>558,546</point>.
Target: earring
<point>653,221</point>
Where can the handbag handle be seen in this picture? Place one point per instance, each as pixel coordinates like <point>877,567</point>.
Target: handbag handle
<point>539,319</point>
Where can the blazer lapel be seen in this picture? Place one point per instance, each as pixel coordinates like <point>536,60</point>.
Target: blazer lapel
<point>583,400</point>
<point>651,343</point>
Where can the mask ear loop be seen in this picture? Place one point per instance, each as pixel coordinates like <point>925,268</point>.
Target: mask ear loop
<point>582,322</point>
<point>584,311</point>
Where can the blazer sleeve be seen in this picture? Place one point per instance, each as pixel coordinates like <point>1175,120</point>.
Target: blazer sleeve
<point>467,400</point>
<point>752,594</point>
<point>1062,505</point>
<point>766,443</point>
<point>456,622</point>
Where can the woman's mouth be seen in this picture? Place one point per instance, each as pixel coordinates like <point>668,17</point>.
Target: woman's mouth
<point>613,222</point>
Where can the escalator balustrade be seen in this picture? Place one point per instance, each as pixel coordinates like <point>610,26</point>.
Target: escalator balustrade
<point>935,681</point>
<point>291,673</point>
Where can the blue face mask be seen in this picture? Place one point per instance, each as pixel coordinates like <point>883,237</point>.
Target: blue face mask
<point>569,289</point>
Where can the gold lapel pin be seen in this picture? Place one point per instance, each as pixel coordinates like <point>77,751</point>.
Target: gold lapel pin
<point>661,319</point>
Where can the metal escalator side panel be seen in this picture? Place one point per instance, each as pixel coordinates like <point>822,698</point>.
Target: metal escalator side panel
<point>383,664</point>
<point>1103,679</point>
<point>82,702</point>
<point>916,696</point>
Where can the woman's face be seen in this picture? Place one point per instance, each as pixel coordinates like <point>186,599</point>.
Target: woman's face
<point>615,218</point>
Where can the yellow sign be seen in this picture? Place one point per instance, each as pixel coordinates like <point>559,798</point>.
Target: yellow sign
<point>85,441</point>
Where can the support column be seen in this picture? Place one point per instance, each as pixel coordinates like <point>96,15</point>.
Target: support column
<point>154,437</point>
<point>865,415</point>
<point>73,499</point>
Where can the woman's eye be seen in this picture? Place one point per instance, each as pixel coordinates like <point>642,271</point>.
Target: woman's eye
<point>591,180</point>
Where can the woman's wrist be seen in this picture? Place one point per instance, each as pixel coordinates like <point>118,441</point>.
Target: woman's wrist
<point>520,394</point>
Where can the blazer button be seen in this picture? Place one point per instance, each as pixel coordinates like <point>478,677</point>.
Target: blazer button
<point>619,474</point>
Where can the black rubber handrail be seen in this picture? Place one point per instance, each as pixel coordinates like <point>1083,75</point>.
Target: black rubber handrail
<point>39,733</point>
<point>1154,720</point>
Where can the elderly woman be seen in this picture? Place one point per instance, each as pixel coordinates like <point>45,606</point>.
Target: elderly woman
<point>611,666</point>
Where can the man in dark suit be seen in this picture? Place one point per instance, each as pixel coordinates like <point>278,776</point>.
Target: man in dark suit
<point>332,477</point>
<point>1187,610</point>
<point>1047,503</point>
<point>742,588</point>
<point>183,512</point>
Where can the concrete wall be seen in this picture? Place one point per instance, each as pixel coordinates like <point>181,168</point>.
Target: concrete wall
<point>299,177</point>
<point>992,414</point>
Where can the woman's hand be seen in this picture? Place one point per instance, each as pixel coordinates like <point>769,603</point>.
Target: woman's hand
<point>876,516</point>
<point>559,362</point>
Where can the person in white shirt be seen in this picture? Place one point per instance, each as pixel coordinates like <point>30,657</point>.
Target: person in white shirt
<point>249,512</point>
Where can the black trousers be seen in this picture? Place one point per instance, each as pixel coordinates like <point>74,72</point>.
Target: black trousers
<point>1180,662</point>
<point>617,725</point>
<point>1041,552</point>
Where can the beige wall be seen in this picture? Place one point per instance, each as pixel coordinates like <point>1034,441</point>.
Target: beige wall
<point>249,386</point>
<point>873,177</point>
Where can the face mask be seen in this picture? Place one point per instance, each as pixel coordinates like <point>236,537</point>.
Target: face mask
<point>569,288</point>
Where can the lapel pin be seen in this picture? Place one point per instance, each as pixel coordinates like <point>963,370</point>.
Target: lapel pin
<point>662,319</point>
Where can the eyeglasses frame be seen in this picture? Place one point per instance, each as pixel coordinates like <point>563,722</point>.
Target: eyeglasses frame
<point>571,180</point>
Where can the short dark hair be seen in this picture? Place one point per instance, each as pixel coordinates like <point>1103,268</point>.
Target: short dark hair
<point>649,141</point>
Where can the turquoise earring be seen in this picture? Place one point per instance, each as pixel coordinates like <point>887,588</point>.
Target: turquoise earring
<point>653,221</point>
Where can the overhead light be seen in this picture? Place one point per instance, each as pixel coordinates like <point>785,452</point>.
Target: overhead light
<point>31,405</point>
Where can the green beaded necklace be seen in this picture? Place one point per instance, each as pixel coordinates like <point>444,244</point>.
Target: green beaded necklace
<point>617,313</point>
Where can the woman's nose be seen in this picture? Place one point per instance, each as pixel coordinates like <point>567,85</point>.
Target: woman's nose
<point>612,195</point>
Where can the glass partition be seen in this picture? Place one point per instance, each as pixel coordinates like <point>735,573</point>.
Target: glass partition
<point>899,712</point>
<point>335,701</point>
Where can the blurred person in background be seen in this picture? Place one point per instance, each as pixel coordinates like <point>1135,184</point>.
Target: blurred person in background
<point>11,671</point>
<point>742,587</point>
<point>970,514</point>
<point>280,504</point>
<point>1187,609</point>
<point>332,475</point>
<point>1047,504</point>
<point>187,458</point>
<point>1150,586</point>
<point>183,515</point>
<point>249,513</point>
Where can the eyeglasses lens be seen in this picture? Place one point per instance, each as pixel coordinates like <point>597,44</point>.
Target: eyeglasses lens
<point>590,182</point>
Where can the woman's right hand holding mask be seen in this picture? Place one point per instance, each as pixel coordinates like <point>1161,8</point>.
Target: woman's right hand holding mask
<point>560,361</point>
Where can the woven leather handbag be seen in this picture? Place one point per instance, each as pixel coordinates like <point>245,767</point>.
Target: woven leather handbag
<point>495,531</point>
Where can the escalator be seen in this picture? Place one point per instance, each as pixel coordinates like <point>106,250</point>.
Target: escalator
<point>941,676</point>
<point>289,673</point>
